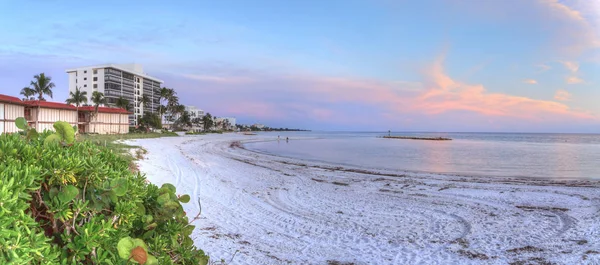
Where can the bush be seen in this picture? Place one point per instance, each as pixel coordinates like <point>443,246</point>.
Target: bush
<point>65,202</point>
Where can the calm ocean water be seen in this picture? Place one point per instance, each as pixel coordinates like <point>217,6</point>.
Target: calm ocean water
<point>561,156</point>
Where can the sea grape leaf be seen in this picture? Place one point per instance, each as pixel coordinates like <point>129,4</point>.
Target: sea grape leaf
<point>68,193</point>
<point>168,186</point>
<point>65,131</point>
<point>148,218</point>
<point>32,134</point>
<point>21,123</point>
<point>162,199</point>
<point>151,260</point>
<point>113,196</point>
<point>139,255</point>
<point>185,198</point>
<point>127,244</point>
<point>52,139</point>
<point>140,209</point>
<point>124,247</point>
<point>119,186</point>
<point>171,205</point>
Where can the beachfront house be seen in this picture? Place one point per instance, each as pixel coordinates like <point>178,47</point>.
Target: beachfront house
<point>106,121</point>
<point>10,109</point>
<point>42,115</point>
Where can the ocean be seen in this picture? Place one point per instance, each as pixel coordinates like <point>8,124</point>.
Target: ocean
<point>536,155</point>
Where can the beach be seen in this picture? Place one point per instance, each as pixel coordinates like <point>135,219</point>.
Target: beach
<point>264,209</point>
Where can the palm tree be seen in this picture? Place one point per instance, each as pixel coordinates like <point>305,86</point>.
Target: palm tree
<point>27,93</point>
<point>41,85</point>
<point>208,121</point>
<point>77,98</point>
<point>97,99</point>
<point>165,94</point>
<point>124,104</point>
<point>145,101</point>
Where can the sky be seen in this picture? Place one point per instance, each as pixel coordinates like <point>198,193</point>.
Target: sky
<point>337,65</point>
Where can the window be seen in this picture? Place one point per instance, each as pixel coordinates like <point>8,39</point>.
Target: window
<point>95,71</point>
<point>85,72</point>
<point>85,78</point>
<point>75,80</point>
<point>95,85</point>
<point>84,85</point>
<point>138,79</point>
<point>95,78</point>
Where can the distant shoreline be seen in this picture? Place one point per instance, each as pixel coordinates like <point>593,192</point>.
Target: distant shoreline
<point>418,138</point>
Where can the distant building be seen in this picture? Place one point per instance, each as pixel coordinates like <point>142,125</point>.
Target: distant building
<point>260,126</point>
<point>119,80</point>
<point>225,123</point>
<point>195,113</point>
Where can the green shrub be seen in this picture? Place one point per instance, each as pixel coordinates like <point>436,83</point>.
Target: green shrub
<point>78,203</point>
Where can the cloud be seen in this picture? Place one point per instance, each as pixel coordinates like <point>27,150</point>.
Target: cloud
<point>571,66</point>
<point>579,31</point>
<point>543,67</point>
<point>562,95</point>
<point>574,80</point>
<point>530,81</point>
<point>445,94</point>
<point>363,103</point>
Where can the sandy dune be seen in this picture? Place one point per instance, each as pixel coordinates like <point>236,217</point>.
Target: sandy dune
<point>261,209</point>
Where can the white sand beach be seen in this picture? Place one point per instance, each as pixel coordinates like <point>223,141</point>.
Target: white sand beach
<point>262,209</point>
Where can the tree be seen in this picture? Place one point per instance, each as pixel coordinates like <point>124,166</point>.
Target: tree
<point>183,120</point>
<point>77,98</point>
<point>208,122</point>
<point>41,85</point>
<point>27,93</point>
<point>145,101</point>
<point>97,99</point>
<point>169,98</point>
<point>150,120</point>
<point>123,104</point>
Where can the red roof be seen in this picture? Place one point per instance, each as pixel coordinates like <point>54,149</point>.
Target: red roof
<point>49,105</point>
<point>105,110</point>
<point>9,99</point>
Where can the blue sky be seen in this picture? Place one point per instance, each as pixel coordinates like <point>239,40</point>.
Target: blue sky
<point>435,65</point>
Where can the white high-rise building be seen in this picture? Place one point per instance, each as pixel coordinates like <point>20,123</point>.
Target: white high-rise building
<point>118,80</point>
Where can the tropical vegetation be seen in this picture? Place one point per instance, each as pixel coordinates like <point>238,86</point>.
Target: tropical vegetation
<point>75,202</point>
<point>40,86</point>
<point>77,98</point>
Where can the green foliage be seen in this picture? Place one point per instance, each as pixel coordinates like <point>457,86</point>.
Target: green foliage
<point>79,203</point>
<point>65,132</point>
<point>21,123</point>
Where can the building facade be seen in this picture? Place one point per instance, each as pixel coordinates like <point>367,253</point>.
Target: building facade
<point>11,108</point>
<point>41,115</point>
<point>119,80</point>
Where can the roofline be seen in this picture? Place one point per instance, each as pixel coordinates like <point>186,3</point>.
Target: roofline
<point>118,68</point>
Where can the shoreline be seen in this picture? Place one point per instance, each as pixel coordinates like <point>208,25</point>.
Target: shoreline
<point>277,210</point>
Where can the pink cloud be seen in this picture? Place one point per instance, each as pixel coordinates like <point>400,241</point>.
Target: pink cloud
<point>530,81</point>
<point>571,66</point>
<point>574,80</point>
<point>445,94</point>
<point>562,95</point>
<point>327,99</point>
